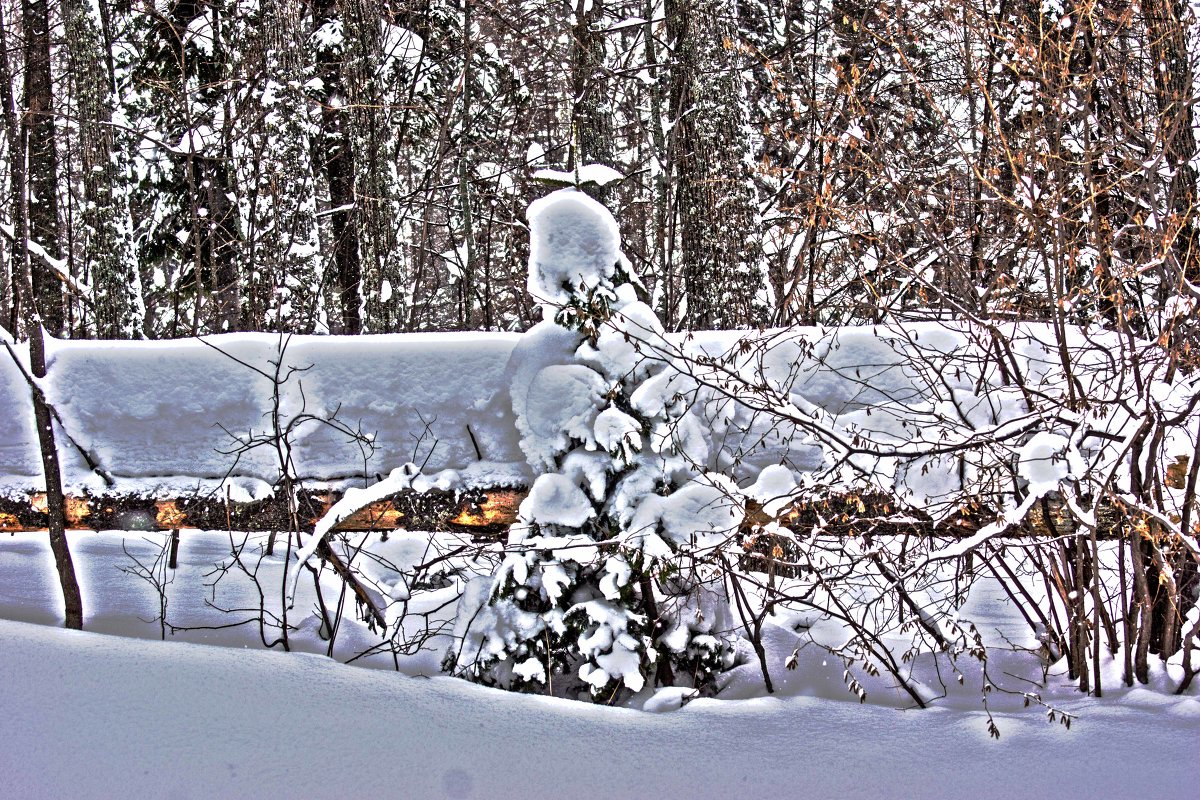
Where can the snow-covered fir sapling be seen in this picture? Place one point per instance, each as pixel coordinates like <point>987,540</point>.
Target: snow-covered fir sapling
<point>605,589</point>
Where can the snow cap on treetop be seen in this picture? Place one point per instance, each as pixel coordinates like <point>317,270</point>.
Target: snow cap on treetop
<point>574,244</point>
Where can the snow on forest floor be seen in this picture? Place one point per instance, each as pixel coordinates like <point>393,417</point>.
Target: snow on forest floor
<point>97,716</point>
<point>89,715</point>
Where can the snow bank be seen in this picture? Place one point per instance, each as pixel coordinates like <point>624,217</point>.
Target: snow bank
<point>168,719</point>
<point>89,715</point>
<point>166,415</point>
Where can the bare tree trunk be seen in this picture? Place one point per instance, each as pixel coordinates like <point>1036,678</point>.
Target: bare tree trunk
<point>217,181</point>
<point>591,112</point>
<point>715,199</point>
<point>43,162</point>
<point>1174,96</point>
<point>466,285</point>
<point>55,503</point>
<point>19,262</point>
<point>337,154</point>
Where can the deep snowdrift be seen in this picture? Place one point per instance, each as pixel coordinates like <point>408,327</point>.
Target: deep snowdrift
<point>89,715</point>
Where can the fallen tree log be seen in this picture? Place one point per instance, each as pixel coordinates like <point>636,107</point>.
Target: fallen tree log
<point>487,514</point>
<point>483,513</point>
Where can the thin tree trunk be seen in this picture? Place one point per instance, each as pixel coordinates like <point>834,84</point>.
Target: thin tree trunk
<point>55,503</point>
<point>1174,94</point>
<point>591,113</point>
<point>1144,606</point>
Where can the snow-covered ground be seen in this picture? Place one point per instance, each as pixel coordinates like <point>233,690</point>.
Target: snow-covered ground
<point>88,715</point>
<point>91,715</point>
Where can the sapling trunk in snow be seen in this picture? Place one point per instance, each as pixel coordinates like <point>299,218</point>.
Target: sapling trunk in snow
<point>55,503</point>
<point>604,590</point>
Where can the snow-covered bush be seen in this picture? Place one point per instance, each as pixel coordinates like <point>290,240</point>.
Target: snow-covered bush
<point>606,586</point>
<point>1057,462</point>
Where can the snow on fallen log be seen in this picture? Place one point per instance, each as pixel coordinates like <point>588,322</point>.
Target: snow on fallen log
<point>916,413</point>
<point>167,416</point>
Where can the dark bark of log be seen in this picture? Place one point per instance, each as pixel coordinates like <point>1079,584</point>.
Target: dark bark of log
<point>485,513</point>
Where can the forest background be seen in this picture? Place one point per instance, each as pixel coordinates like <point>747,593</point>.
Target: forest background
<point>176,168</point>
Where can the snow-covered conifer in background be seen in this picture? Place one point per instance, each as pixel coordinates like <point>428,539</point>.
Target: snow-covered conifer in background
<point>179,98</point>
<point>283,264</point>
<point>102,244</point>
<point>604,586</point>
